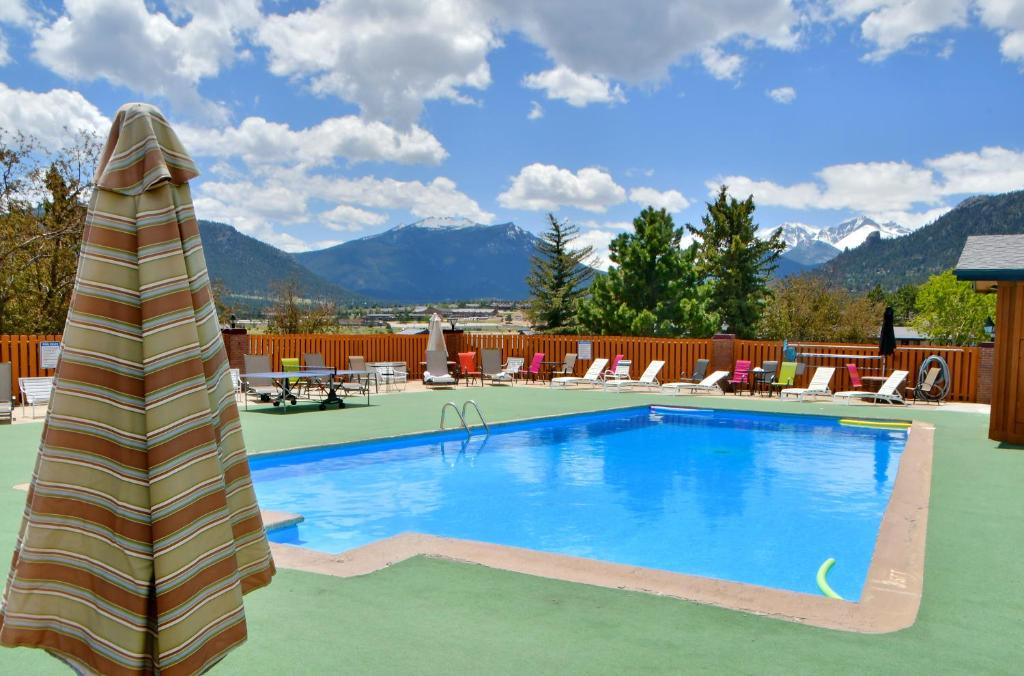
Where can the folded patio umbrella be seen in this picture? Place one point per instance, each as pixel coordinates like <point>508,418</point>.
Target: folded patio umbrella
<point>141,530</point>
<point>435,339</point>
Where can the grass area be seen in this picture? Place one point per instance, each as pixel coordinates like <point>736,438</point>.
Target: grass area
<point>428,616</point>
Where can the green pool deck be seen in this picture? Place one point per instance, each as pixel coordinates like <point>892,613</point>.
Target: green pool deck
<point>428,616</point>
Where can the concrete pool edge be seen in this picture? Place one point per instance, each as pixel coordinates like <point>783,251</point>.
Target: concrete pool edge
<point>889,602</point>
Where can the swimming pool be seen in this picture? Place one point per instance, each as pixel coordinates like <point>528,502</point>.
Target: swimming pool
<point>747,497</point>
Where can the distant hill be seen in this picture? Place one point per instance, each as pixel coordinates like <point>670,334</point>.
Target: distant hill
<point>436,259</point>
<point>911,259</point>
<point>249,267</point>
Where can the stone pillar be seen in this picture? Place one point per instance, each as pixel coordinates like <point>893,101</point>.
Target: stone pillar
<point>986,361</point>
<point>723,352</point>
<point>236,343</point>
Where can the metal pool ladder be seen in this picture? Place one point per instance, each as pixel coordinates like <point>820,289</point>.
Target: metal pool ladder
<point>462,415</point>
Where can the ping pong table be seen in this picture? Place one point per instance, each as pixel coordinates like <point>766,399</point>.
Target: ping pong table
<point>323,379</point>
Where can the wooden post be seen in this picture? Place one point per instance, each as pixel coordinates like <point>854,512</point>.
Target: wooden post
<point>723,352</point>
<point>986,362</point>
<point>1007,420</point>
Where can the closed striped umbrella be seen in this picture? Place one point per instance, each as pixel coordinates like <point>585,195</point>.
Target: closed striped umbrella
<point>141,531</point>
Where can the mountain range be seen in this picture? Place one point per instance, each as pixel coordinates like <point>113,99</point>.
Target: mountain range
<point>435,259</point>
<point>447,259</point>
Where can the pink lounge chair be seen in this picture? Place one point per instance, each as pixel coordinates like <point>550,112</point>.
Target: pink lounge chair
<point>533,373</point>
<point>855,382</point>
<point>612,366</point>
<point>740,375</point>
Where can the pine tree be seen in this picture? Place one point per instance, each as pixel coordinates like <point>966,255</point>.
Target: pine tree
<point>735,261</point>
<point>652,288</point>
<point>558,279</point>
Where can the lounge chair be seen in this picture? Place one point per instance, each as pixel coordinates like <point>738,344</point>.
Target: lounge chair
<point>35,391</point>
<point>490,367</point>
<point>6,402</point>
<point>315,360</point>
<point>294,384</point>
<point>613,367</point>
<point>740,375</point>
<point>620,372</point>
<point>700,371</point>
<point>888,392</point>
<point>513,366</point>
<point>649,378</point>
<point>533,373</point>
<point>591,377</point>
<point>712,383</point>
<point>261,388</point>
<point>437,374</point>
<point>567,367</point>
<point>467,367</point>
<point>236,381</point>
<point>355,383</point>
<point>785,377</point>
<point>855,381</point>
<point>926,390</point>
<point>818,386</point>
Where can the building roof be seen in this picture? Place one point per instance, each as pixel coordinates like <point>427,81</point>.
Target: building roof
<point>991,258</point>
<point>412,332</point>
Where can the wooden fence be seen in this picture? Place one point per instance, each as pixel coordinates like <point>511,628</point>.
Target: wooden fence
<point>963,362</point>
<point>680,354</point>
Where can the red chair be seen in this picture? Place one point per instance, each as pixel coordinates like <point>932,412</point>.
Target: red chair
<point>533,373</point>
<point>467,364</point>
<point>855,382</point>
<point>740,375</point>
<point>610,371</point>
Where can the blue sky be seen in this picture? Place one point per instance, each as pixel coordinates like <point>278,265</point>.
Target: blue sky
<point>318,122</point>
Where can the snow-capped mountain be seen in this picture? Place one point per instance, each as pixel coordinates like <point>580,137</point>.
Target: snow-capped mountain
<point>852,233</point>
<point>809,245</point>
<point>442,223</point>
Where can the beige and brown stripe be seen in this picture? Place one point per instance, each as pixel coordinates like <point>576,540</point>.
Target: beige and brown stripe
<point>141,531</point>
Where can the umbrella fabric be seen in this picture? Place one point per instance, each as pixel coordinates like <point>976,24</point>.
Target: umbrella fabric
<point>436,339</point>
<point>887,336</point>
<point>141,530</point>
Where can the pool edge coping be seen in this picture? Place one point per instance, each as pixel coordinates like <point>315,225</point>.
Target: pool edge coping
<point>889,602</point>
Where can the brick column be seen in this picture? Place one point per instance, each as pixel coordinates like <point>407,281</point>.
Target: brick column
<point>723,352</point>
<point>454,342</point>
<point>986,362</point>
<point>236,343</point>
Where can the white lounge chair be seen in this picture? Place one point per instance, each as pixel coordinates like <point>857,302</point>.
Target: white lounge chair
<point>621,372</point>
<point>35,391</point>
<point>889,391</point>
<point>710,384</point>
<point>437,370</point>
<point>818,387</point>
<point>513,366</point>
<point>649,378</point>
<point>591,377</point>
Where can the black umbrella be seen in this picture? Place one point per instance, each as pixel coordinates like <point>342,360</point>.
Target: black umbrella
<point>887,337</point>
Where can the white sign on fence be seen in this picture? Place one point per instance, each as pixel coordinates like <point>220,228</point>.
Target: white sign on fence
<point>49,353</point>
<point>584,350</point>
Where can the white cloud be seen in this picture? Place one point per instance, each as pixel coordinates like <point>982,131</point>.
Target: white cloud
<point>892,25</point>
<point>891,190</point>
<point>536,111</point>
<point>290,196</point>
<point>259,141</point>
<point>15,13</point>
<point>388,57</point>
<point>990,170</point>
<point>638,42</point>
<point>599,239</point>
<point>783,95</point>
<point>576,89</point>
<point>49,116</point>
<point>345,217</point>
<point>545,187</point>
<point>671,200</point>
<point>124,43</point>
<point>722,66</point>
<point>1006,17</point>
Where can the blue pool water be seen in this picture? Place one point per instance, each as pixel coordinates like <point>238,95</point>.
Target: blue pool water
<point>749,497</point>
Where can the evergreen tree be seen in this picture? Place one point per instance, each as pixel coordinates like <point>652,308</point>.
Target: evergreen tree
<point>652,288</point>
<point>735,261</point>
<point>558,279</point>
